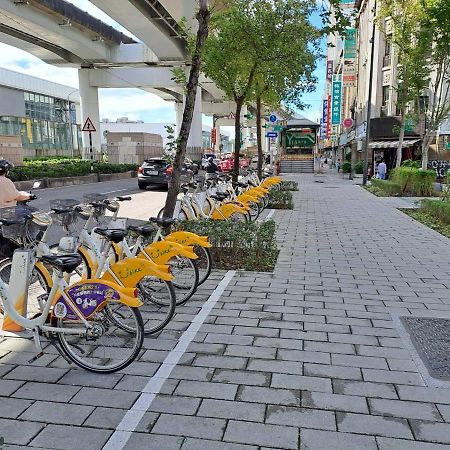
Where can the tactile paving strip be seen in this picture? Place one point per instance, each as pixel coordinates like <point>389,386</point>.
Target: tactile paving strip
<point>431,338</point>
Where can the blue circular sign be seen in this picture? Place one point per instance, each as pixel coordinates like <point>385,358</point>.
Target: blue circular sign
<point>273,118</point>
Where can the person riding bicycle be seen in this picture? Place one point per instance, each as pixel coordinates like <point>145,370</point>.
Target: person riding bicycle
<point>211,169</point>
<point>9,195</point>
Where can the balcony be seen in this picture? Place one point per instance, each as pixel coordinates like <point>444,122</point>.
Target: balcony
<point>387,60</point>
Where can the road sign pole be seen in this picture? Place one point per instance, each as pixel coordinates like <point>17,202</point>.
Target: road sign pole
<point>91,154</point>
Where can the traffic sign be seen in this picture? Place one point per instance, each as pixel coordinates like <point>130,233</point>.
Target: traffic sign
<point>232,116</point>
<point>278,128</point>
<point>273,118</point>
<point>272,134</point>
<point>88,126</point>
<point>348,123</point>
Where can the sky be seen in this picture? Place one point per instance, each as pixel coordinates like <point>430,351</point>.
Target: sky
<point>132,103</point>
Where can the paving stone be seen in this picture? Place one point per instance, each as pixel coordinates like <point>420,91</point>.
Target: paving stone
<point>88,379</point>
<point>144,441</point>
<point>261,434</point>
<point>424,394</point>
<point>47,391</point>
<point>147,422</point>
<point>203,444</point>
<point>406,365</point>
<point>229,339</point>
<point>192,373</point>
<point>320,440</point>
<point>70,437</point>
<point>294,344</point>
<point>409,410</point>
<point>221,362</point>
<point>445,412</point>
<point>19,432</point>
<point>146,369</point>
<point>242,377</point>
<point>103,397</point>
<point>57,413</point>
<point>250,351</point>
<point>431,431</point>
<point>207,390</point>
<point>401,444</point>
<point>269,395</point>
<point>30,373</point>
<point>198,427</point>
<point>365,389</point>
<point>304,356</point>
<point>226,409</point>
<point>256,331</point>
<point>373,425</point>
<point>7,387</point>
<point>330,347</point>
<point>301,382</point>
<point>108,418</point>
<point>335,402</point>
<point>175,404</point>
<point>301,417</point>
<point>359,361</point>
<point>391,376</point>
<point>290,367</point>
<point>384,352</point>
<point>349,373</point>
<point>11,408</point>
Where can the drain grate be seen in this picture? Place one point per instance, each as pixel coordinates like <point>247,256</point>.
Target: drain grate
<point>431,338</point>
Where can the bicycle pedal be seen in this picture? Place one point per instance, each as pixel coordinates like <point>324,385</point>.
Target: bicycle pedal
<point>34,358</point>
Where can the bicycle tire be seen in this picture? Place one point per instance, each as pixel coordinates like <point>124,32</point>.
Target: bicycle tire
<point>204,263</point>
<point>156,311</point>
<point>184,290</point>
<point>83,360</point>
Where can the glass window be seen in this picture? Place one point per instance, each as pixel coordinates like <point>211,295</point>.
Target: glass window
<point>385,95</point>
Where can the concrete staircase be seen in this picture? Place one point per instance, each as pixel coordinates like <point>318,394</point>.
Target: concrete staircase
<point>296,166</point>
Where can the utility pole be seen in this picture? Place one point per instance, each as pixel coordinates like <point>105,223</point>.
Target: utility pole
<point>369,100</point>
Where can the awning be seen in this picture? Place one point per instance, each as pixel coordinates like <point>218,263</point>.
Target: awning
<point>393,144</point>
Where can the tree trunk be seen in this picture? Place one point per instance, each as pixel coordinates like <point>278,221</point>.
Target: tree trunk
<point>259,136</point>
<point>401,138</point>
<point>237,137</point>
<point>425,145</point>
<point>203,17</point>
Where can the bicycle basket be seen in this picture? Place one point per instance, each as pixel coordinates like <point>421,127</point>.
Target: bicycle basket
<point>22,214</point>
<point>66,218</point>
<point>94,199</point>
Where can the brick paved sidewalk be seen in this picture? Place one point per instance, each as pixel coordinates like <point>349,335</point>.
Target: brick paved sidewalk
<point>307,357</point>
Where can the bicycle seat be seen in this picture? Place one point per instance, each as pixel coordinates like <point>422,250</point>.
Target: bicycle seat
<point>219,196</point>
<point>240,184</point>
<point>111,234</point>
<point>164,222</point>
<point>143,230</point>
<point>65,263</point>
<point>62,210</point>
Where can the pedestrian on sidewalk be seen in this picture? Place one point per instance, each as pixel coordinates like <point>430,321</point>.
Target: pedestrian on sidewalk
<point>382,170</point>
<point>338,165</point>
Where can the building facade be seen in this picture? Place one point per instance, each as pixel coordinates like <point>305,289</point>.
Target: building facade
<point>44,115</point>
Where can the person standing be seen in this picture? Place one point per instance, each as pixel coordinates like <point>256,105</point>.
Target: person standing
<point>382,170</point>
<point>338,165</point>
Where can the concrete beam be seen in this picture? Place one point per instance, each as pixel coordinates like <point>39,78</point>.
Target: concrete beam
<point>131,15</point>
<point>32,21</point>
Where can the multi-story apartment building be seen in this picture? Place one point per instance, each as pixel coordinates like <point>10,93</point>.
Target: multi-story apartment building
<point>344,117</point>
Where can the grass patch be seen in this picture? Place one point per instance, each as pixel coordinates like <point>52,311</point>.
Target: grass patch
<point>388,187</point>
<point>238,245</point>
<point>428,220</point>
<point>289,185</point>
<point>375,191</point>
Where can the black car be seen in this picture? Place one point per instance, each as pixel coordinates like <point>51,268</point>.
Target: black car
<point>157,172</point>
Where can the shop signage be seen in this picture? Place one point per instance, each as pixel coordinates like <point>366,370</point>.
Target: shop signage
<point>336,101</point>
<point>330,71</point>
<point>350,43</point>
<point>297,139</point>
<point>324,119</point>
<point>329,117</point>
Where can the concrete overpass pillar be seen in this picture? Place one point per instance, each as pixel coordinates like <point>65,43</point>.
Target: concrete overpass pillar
<point>194,147</point>
<point>218,142</point>
<point>89,108</point>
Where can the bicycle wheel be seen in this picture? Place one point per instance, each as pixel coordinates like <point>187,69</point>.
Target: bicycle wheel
<point>106,347</point>
<point>37,285</point>
<point>204,263</point>
<point>254,210</point>
<point>159,301</point>
<point>239,217</point>
<point>185,280</point>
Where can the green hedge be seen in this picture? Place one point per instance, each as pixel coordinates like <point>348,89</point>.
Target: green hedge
<point>414,181</point>
<point>280,200</point>
<point>238,245</point>
<point>387,187</point>
<point>438,209</point>
<point>64,167</point>
<point>289,185</point>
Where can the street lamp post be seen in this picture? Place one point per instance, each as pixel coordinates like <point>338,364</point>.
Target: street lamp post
<point>70,121</point>
<point>369,101</point>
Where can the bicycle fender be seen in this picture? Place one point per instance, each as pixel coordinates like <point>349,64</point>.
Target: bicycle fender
<point>188,238</point>
<point>227,210</point>
<point>48,278</point>
<point>246,198</point>
<point>161,252</point>
<point>88,297</point>
<point>90,262</point>
<point>130,271</point>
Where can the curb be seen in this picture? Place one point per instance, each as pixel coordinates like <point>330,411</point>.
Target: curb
<point>71,181</point>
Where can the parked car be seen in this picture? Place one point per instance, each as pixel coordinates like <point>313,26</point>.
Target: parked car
<point>158,172</point>
<point>227,162</point>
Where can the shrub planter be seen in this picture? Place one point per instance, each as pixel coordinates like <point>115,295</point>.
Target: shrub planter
<point>289,186</point>
<point>238,245</point>
<point>280,200</point>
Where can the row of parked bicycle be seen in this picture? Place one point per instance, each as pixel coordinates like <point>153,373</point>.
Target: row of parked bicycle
<point>96,293</point>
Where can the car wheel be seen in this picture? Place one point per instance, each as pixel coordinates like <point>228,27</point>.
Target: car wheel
<point>142,186</point>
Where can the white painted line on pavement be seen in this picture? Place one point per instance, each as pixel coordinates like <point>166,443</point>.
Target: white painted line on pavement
<point>117,190</point>
<point>130,421</point>
<point>269,216</point>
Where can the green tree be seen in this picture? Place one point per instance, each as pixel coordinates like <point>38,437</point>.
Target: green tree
<point>203,17</point>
